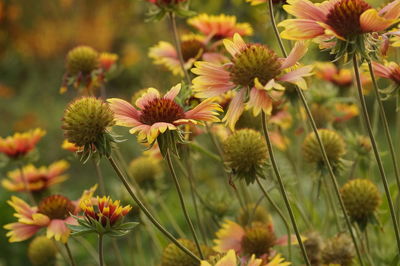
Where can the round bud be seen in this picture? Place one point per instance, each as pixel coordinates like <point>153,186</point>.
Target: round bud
<point>42,252</point>
<point>82,59</point>
<point>338,250</point>
<point>258,239</point>
<point>145,170</point>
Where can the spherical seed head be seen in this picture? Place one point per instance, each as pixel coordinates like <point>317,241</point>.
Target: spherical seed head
<point>253,213</point>
<point>161,110</point>
<point>191,48</point>
<point>259,238</point>
<point>255,61</point>
<point>313,245</point>
<point>174,256</point>
<point>82,59</point>
<point>361,198</point>
<point>56,207</point>
<point>338,250</point>
<point>145,170</point>
<point>245,153</point>
<point>42,252</point>
<point>344,17</point>
<point>334,145</point>
<point>86,120</point>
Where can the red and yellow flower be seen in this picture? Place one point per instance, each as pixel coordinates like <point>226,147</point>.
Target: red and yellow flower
<point>255,70</point>
<point>20,144</point>
<point>389,70</point>
<point>37,179</point>
<point>52,213</point>
<point>155,114</point>
<point>219,26</point>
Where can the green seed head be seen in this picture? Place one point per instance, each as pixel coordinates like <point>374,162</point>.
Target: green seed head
<point>42,252</point>
<point>82,59</point>
<point>145,170</point>
<point>174,256</point>
<point>338,250</point>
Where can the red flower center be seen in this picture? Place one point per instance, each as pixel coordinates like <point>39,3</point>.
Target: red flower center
<point>191,49</point>
<point>161,110</point>
<point>344,17</point>
<point>56,207</point>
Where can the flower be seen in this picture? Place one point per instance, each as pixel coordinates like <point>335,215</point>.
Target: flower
<point>219,26</point>
<point>82,60</point>
<point>52,213</point>
<point>230,259</point>
<point>338,250</point>
<point>20,144</point>
<point>337,22</point>
<point>38,179</point>
<point>258,239</point>
<point>254,69</point>
<point>158,114</point>
<point>42,251</point>
<point>107,61</point>
<point>388,70</point>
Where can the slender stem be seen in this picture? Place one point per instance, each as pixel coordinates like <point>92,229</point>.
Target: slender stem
<point>376,151</point>
<point>117,252</point>
<point>204,151</point>
<point>280,213</point>
<point>147,213</point>
<point>71,259</point>
<point>282,188</point>
<point>182,201</point>
<point>101,257</point>
<point>385,125</point>
<point>26,184</point>
<point>178,47</point>
<point>171,219</point>
<point>332,204</point>
<point>100,177</point>
<point>272,17</point>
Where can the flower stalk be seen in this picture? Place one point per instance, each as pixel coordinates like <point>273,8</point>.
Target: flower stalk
<point>71,258</point>
<point>101,256</point>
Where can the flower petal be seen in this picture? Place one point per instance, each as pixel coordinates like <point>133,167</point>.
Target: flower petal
<point>381,70</point>
<point>391,10</point>
<point>305,9</point>
<point>370,21</point>
<point>205,111</point>
<point>125,114</point>
<point>150,95</point>
<point>235,46</point>
<point>59,230</point>
<point>235,109</point>
<point>301,29</point>
<point>229,237</point>
<point>173,92</point>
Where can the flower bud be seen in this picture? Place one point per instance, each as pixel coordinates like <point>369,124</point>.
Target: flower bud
<point>82,59</point>
<point>42,251</point>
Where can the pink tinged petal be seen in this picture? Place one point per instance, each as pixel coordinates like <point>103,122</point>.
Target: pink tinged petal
<point>301,29</point>
<point>305,9</point>
<point>326,6</point>
<point>381,71</point>
<point>235,109</point>
<point>260,100</point>
<point>298,51</point>
<point>59,230</point>
<point>150,95</point>
<point>235,46</point>
<point>370,21</point>
<point>173,92</point>
<point>391,11</point>
<point>229,237</point>
<point>20,232</point>
<point>296,76</point>
<point>143,131</point>
<point>205,111</point>
<point>21,207</point>
<point>125,114</point>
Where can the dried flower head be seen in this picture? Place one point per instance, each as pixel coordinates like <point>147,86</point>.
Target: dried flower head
<point>42,251</point>
<point>338,250</point>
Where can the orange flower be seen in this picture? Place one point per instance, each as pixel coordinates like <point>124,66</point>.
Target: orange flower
<point>20,144</point>
<point>52,213</point>
<point>107,60</point>
<point>37,179</point>
<point>340,77</point>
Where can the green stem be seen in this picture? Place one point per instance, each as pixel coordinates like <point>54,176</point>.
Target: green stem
<point>282,188</point>
<point>71,259</point>
<point>332,204</point>
<point>272,17</point>
<point>147,213</point>
<point>376,151</point>
<point>204,151</point>
<point>280,213</point>
<point>385,125</point>
<point>182,201</point>
<point>101,257</point>
<point>100,177</point>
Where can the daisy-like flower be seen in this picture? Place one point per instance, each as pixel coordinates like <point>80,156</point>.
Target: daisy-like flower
<point>230,259</point>
<point>254,70</point>
<point>345,24</point>
<point>219,26</point>
<point>156,115</point>
<point>52,213</point>
<point>341,77</point>
<point>37,179</point>
<point>20,144</point>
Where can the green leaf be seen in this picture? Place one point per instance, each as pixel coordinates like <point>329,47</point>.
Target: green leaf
<point>127,226</point>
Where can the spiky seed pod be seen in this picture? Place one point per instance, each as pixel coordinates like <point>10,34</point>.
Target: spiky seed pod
<point>42,252</point>
<point>145,170</point>
<point>361,198</point>
<point>253,213</point>
<point>82,59</point>
<point>85,124</point>
<point>313,245</point>
<point>174,256</point>
<point>245,153</point>
<point>258,239</point>
<point>334,145</point>
<point>338,250</point>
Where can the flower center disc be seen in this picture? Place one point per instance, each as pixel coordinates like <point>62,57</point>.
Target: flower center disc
<point>191,49</point>
<point>56,207</point>
<point>344,17</point>
<point>255,61</point>
<point>161,110</point>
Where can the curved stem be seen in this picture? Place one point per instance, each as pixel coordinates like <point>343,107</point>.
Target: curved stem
<point>178,47</point>
<point>385,125</point>
<point>101,257</point>
<point>278,210</point>
<point>147,213</point>
<point>182,201</point>
<point>376,151</point>
<point>71,259</point>
<point>273,22</point>
<point>100,177</point>
<point>282,188</point>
